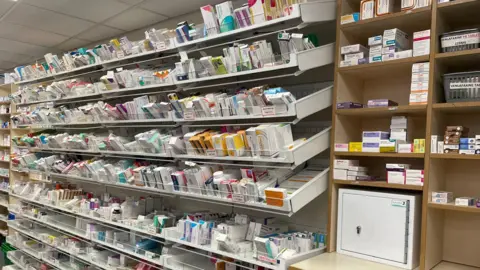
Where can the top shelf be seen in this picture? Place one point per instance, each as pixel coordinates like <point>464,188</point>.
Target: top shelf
<point>302,15</point>
<point>410,21</point>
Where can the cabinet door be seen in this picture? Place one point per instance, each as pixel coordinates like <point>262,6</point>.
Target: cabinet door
<point>375,226</point>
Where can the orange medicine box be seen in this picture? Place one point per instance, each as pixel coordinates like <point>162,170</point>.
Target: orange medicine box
<point>275,196</point>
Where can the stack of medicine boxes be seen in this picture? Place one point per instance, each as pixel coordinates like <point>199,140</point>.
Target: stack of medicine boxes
<point>402,174</point>
<point>345,169</point>
<point>419,87</point>
<point>371,140</point>
<point>451,139</point>
<point>353,55</point>
<point>392,45</point>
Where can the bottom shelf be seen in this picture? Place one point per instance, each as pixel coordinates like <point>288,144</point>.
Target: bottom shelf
<point>453,266</point>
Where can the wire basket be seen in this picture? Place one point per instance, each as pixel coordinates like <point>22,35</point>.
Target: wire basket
<point>462,86</point>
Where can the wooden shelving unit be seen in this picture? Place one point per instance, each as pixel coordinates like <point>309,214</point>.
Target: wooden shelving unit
<point>448,231</point>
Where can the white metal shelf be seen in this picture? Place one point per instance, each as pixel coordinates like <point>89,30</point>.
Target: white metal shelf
<point>292,204</point>
<point>296,156</point>
<point>34,235</point>
<point>302,61</point>
<point>301,15</point>
<point>300,109</point>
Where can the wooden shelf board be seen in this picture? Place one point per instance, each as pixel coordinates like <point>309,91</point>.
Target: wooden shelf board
<point>410,20</point>
<point>454,156</point>
<point>378,184</point>
<point>459,61</point>
<point>385,111</point>
<point>392,155</point>
<point>456,3</point>
<point>458,107</point>
<point>453,266</point>
<point>374,70</point>
<point>453,207</point>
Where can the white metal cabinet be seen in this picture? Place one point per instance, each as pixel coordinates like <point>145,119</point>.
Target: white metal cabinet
<point>379,226</point>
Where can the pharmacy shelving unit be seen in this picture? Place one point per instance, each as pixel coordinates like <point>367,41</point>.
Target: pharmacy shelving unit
<point>310,115</point>
<point>4,164</point>
<point>449,232</point>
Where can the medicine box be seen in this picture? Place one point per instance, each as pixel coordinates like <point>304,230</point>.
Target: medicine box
<point>412,173</point>
<point>414,181</point>
<point>341,147</point>
<point>356,48</point>
<point>374,136</point>
<point>344,163</point>
<point>405,148</point>
<point>421,43</point>
<point>442,200</point>
<point>394,177</point>
<point>373,59</point>
<point>421,67</point>
<point>349,18</point>
<point>420,77</point>
<point>355,147</point>
<point>348,63</point>
<point>395,37</point>
<point>467,140</point>
<point>367,9</point>
<point>465,201</point>
<point>397,166</point>
<point>340,174</point>
<point>355,56</point>
<point>371,147</point>
<point>376,40</point>
<point>375,50</point>
<point>419,86</point>
<point>442,194</point>
<point>418,98</point>
<point>388,146</point>
<point>358,168</point>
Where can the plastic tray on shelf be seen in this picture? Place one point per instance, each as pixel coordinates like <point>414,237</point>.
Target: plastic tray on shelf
<point>300,16</point>
<point>301,61</point>
<point>314,102</point>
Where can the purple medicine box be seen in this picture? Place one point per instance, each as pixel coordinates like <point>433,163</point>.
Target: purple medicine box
<point>349,105</point>
<point>381,103</point>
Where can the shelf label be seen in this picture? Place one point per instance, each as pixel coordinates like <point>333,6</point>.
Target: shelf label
<point>238,198</point>
<point>211,153</point>
<point>266,259</point>
<point>268,111</point>
<point>393,108</point>
<point>463,85</point>
<point>120,54</point>
<point>149,255</point>
<point>120,245</point>
<point>160,45</point>
<point>189,115</point>
<point>152,230</point>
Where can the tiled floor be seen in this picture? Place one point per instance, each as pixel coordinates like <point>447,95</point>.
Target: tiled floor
<point>334,261</point>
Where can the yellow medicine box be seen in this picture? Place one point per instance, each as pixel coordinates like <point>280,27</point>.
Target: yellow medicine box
<point>355,147</point>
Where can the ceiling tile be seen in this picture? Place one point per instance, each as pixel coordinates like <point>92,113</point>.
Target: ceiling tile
<point>134,19</point>
<point>130,2</point>
<point>22,48</point>
<point>92,10</point>
<point>5,5</point>
<point>14,57</point>
<point>7,65</point>
<point>100,32</point>
<point>71,44</point>
<point>29,35</point>
<point>47,20</point>
<point>177,7</point>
